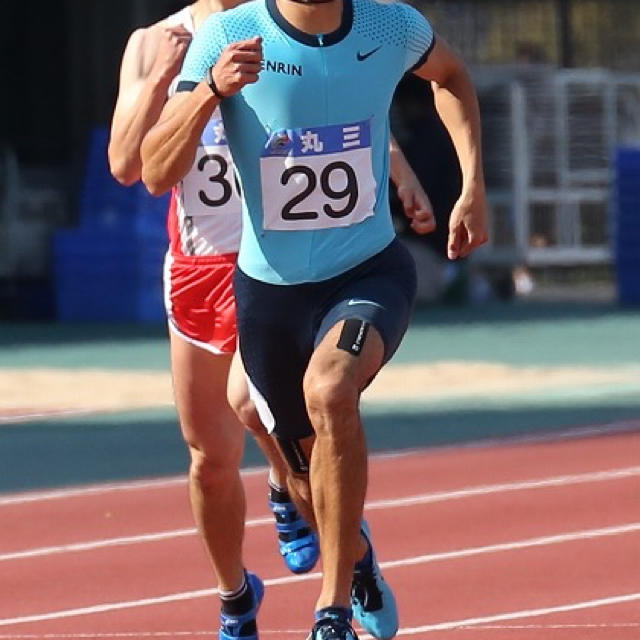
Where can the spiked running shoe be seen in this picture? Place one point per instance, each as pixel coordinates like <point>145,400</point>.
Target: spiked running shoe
<point>231,625</point>
<point>298,543</point>
<point>373,602</point>
<point>332,629</point>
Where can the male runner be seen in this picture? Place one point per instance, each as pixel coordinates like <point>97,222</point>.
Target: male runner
<point>324,291</point>
<point>204,226</point>
<point>204,235</point>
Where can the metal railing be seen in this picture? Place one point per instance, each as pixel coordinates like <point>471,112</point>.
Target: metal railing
<point>549,141</point>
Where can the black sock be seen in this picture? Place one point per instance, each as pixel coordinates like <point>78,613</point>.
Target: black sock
<point>335,613</point>
<point>366,561</point>
<point>238,603</point>
<point>280,496</point>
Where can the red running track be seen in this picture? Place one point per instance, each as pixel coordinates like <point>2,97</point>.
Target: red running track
<point>520,540</point>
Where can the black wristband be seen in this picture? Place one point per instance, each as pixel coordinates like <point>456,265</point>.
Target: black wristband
<point>212,84</point>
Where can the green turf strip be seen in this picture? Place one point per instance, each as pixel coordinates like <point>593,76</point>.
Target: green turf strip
<point>522,333</point>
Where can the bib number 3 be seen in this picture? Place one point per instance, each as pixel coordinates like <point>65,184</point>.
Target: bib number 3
<point>211,187</point>
<point>219,178</point>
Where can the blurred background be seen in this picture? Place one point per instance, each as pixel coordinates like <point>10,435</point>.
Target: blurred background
<point>559,86</point>
<point>552,300</point>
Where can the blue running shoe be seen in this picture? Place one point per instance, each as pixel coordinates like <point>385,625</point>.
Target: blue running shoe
<point>231,625</point>
<point>373,602</point>
<point>298,543</point>
<point>332,629</point>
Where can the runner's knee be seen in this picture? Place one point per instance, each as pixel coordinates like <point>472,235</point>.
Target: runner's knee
<point>328,395</point>
<point>239,398</point>
<point>212,471</point>
<point>246,411</point>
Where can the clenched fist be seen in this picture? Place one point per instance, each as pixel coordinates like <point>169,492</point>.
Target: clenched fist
<point>239,65</point>
<point>172,47</point>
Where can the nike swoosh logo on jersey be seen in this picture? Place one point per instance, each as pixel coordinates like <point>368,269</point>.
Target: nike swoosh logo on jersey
<point>354,301</point>
<point>364,56</point>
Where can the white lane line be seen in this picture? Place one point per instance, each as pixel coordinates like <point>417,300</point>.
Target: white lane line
<point>289,579</point>
<point>573,536</point>
<point>159,483</point>
<point>96,544</point>
<point>299,632</point>
<point>123,634</point>
<point>61,494</point>
<point>141,634</point>
<point>17,418</point>
<point>117,542</point>
<point>109,487</point>
<point>540,627</point>
<point>543,483</point>
<point>425,498</point>
<point>514,615</point>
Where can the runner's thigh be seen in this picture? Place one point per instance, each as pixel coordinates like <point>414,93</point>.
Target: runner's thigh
<point>380,294</point>
<point>276,342</point>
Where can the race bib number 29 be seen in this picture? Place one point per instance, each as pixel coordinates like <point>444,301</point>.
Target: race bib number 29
<point>317,177</point>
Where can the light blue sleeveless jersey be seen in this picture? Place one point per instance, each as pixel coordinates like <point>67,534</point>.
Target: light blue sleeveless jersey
<point>310,139</point>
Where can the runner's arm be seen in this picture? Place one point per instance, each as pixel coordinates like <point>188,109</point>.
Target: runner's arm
<point>415,201</point>
<point>457,106</point>
<point>168,150</point>
<point>151,60</point>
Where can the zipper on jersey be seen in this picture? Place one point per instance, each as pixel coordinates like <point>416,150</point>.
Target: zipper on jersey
<point>325,74</point>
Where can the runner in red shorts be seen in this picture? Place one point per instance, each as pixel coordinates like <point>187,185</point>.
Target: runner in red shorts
<point>204,225</point>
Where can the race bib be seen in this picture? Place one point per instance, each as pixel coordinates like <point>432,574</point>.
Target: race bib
<point>211,187</point>
<point>317,177</point>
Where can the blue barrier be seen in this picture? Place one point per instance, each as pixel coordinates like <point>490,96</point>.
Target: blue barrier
<point>111,277</point>
<point>109,269</point>
<point>626,224</point>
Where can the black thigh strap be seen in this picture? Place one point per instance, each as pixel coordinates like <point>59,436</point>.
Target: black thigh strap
<point>353,334</point>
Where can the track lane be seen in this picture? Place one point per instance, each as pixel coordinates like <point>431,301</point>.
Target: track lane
<point>185,560</point>
<point>141,508</point>
<point>179,564</point>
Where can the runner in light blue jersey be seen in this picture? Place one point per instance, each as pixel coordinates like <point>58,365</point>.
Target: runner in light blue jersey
<point>323,290</point>
<point>309,143</point>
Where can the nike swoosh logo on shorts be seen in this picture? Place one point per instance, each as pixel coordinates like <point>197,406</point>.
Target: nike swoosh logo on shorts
<point>364,56</point>
<point>355,301</point>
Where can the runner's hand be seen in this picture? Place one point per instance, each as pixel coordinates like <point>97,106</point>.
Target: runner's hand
<point>468,225</point>
<point>417,206</point>
<point>172,47</point>
<point>239,65</point>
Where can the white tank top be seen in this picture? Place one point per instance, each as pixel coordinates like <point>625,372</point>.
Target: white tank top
<point>205,218</point>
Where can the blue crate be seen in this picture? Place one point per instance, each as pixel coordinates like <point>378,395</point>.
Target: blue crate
<point>626,224</point>
<point>106,204</point>
<point>150,306</point>
<point>628,158</point>
<point>103,201</point>
<point>628,292</point>
<point>108,276</point>
<point>110,268</point>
